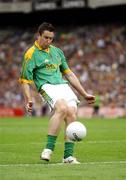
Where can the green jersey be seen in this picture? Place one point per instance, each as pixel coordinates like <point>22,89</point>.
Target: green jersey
<point>44,66</point>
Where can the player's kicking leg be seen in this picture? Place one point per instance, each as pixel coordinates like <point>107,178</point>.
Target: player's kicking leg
<point>69,145</point>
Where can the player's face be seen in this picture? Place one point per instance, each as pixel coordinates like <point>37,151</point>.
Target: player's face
<point>46,39</point>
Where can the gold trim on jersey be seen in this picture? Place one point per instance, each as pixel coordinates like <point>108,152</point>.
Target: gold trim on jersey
<point>29,53</point>
<point>25,81</point>
<point>66,71</point>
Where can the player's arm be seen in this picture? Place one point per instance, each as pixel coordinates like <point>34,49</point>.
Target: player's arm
<point>27,96</point>
<point>26,86</point>
<point>26,79</point>
<point>71,77</point>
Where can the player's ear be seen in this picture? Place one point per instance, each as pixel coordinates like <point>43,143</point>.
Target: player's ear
<point>52,40</point>
<point>36,35</point>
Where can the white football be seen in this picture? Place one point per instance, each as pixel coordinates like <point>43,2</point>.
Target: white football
<point>76,131</point>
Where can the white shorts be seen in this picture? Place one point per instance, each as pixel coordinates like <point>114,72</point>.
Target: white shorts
<point>51,93</point>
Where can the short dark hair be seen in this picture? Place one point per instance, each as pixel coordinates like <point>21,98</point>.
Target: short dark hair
<point>45,26</point>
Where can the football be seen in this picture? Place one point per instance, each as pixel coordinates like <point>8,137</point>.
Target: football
<point>76,131</point>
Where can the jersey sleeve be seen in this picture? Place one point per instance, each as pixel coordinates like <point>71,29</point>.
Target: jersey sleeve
<point>64,66</point>
<point>28,66</point>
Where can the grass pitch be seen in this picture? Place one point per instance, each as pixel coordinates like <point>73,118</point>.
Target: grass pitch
<point>102,153</point>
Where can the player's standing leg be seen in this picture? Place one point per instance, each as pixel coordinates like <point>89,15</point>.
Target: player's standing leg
<point>60,112</point>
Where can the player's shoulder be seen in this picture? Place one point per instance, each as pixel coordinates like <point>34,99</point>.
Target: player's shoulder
<point>56,48</point>
<point>29,52</point>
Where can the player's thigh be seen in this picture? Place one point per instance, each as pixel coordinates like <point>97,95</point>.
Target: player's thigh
<point>53,93</point>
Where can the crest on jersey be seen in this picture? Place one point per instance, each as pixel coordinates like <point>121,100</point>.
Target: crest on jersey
<point>46,60</point>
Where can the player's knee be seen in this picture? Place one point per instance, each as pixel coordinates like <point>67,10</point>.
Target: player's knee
<point>61,107</point>
<point>71,115</point>
<point>63,110</point>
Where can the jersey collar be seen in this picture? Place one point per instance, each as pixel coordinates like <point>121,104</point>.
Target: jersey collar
<point>40,48</point>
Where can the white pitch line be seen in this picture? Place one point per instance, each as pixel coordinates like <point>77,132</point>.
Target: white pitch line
<point>88,142</point>
<point>105,141</point>
<point>57,164</point>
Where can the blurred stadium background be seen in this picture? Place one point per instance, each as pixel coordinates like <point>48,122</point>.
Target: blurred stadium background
<point>92,34</point>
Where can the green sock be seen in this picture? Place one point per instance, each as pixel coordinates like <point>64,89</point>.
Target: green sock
<point>51,140</point>
<point>68,151</point>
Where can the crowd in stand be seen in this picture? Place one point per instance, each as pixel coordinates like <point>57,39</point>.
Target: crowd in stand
<point>96,53</point>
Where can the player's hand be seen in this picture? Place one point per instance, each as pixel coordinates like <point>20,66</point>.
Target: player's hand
<point>90,98</point>
<point>29,107</point>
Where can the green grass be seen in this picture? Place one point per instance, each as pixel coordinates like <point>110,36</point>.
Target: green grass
<point>102,153</point>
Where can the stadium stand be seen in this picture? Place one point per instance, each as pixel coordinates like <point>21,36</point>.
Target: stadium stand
<point>95,52</point>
